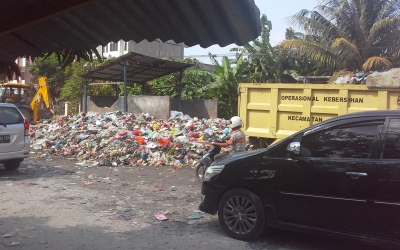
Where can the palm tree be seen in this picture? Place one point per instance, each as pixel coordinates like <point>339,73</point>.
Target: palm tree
<point>352,34</point>
<point>300,64</point>
<point>266,64</point>
<point>262,55</point>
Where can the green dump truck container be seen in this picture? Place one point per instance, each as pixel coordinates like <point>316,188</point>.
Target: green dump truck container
<point>271,112</point>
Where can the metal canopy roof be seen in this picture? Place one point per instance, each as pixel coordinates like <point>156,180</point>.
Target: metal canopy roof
<point>134,68</point>
<point>139,69</point>
<point>34,27</point>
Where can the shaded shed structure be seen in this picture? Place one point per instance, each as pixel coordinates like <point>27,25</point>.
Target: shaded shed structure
<point>134,68</point>
<point>137,68</point>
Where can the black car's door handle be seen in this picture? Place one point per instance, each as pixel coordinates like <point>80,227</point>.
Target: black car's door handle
<point>356,175</point>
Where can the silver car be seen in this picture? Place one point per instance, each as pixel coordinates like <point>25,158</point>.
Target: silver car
<point>14,136</point>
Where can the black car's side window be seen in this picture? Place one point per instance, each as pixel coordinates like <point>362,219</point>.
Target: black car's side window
<point>351,141</point>
<point>391,148</point>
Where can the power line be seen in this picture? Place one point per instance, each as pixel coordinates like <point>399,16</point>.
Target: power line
<point>260,54</point>
<point>217,55</point>
<point>246,54</point>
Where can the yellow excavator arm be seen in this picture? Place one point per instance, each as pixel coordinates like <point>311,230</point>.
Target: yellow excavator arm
<point>41,96</point>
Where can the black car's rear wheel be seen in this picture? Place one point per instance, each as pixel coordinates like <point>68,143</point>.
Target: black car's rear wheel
<point>241,214</point>
<point>200,171</point>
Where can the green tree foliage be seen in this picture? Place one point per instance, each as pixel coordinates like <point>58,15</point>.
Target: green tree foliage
<point>262,56</point>
<point>73,89</point>
<point>68,56</point>
<point>352,34</point>
<point>64,58</point>
<point>300,63</point>
<point>65,82</point>
<point>264,63</point>
<point>229,73</point>
<point>50,68</point>
<point>135,89</point>
<point>103,89</point>
<point>193,80</point>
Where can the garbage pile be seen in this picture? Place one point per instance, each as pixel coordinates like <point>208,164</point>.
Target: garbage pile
<point>358,77</point>
<point>117,138</point>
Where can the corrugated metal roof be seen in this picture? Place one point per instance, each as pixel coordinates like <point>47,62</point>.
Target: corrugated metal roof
<point>139,69</point>
<point>34,27</point>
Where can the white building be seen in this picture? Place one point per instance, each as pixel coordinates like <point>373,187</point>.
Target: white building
<point>155,49</point>
<point>23,63</point>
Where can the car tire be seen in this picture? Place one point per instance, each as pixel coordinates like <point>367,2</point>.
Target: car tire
<point>200,171</point>
<point>241,214</point>
<point>12,165</point>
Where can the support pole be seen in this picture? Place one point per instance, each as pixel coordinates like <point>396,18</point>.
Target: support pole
<point>85,89</point>
<point>66,108</point>
<point>142,85</point>
<point>125,109</point>
<point>180,88</point>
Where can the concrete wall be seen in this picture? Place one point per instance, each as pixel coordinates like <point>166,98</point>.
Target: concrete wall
<point>104,103</point>
<point>196,108</point>
<point>157,106</point>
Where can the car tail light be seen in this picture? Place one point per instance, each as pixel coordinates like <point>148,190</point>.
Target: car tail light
<point>26,126</point>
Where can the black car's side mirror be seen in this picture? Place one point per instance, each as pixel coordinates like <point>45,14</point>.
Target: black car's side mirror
<point>294,148</point>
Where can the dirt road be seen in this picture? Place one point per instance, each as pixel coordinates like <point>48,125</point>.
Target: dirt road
<point>54,203</point>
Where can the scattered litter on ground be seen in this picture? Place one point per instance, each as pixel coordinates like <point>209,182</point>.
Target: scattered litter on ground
<point>86,200</point>
<point>191,222</point>
<point>7,235</point>
<point>161,217</point>
<point>195,216</point>
<point>30,184</point>
<point>123,217</point>
<point>14,243</point>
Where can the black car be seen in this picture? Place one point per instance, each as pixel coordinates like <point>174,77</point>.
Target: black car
<point>340,177</point>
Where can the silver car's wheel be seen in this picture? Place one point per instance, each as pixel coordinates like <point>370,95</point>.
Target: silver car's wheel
<point>12,165</point>
<point>241,214</point>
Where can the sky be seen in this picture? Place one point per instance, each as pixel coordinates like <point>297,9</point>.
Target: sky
<point>275,10</point>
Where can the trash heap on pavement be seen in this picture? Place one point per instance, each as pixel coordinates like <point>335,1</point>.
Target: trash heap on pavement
<point>117,138</point>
